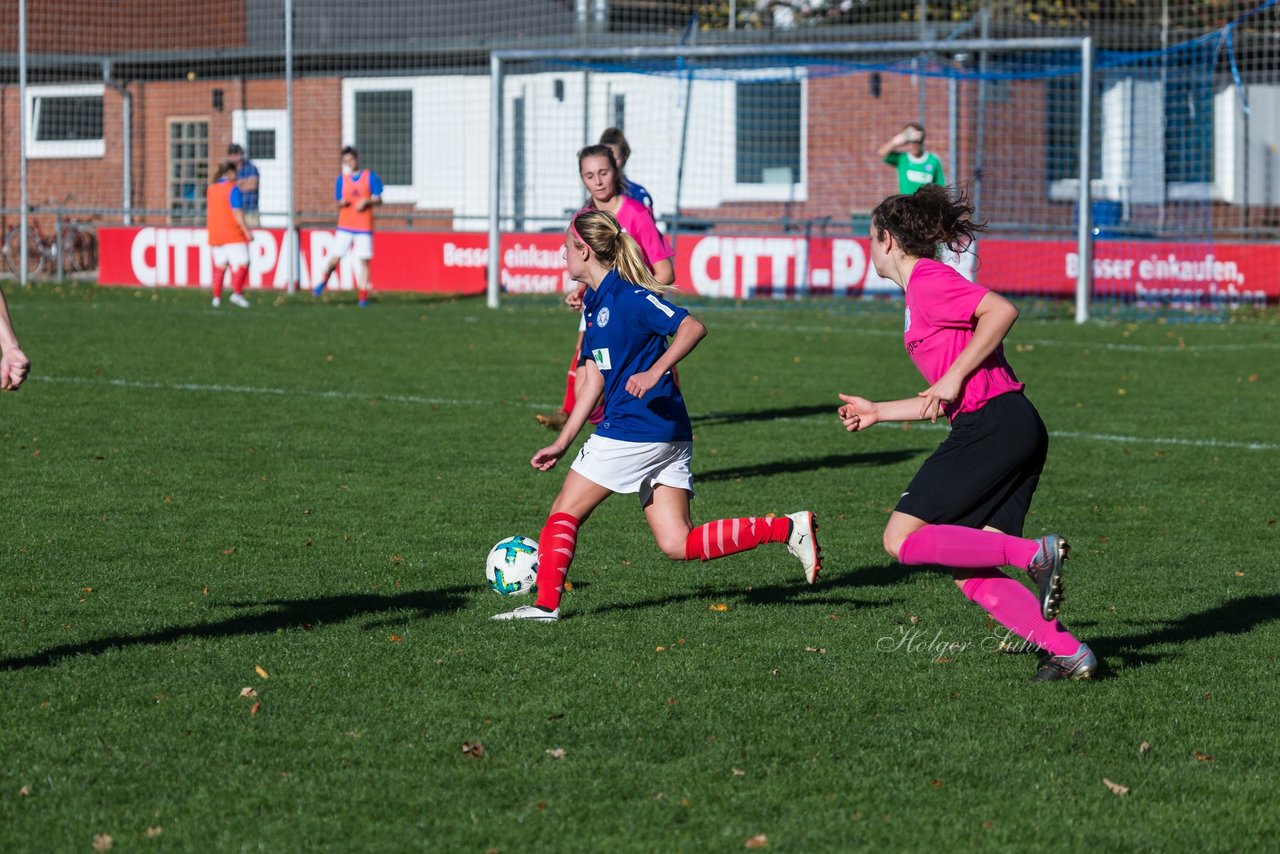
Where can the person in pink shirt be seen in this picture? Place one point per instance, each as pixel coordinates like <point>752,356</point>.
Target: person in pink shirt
<point>602,180</point>
<point>965,508</point>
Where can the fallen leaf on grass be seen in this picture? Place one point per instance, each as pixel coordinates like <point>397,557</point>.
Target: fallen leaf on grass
<point>555,752</point>
<point>1143,748</point>
<point>821,650</point>
<point>255,708</point>
<point>1239,574</point>
<point>24,792</point>
<point>719,607</point>
<point>257,668</point>
<point>229,551</point>
<point>757,841</point>
<point>395,638</point>
<point>153,832</point>
<point>937,784</point>
<point>474,751</point>
<point>1116,788</point>
<point>248,692</point>
<point>568,586</point>
<point>1203,757</point>
<point>738,772</point>
<point>102,842</point>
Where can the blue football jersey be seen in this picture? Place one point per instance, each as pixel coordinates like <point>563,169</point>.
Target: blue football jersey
<point>627,329</point>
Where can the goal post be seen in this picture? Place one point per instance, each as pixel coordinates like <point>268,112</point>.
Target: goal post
<point>837,84</point>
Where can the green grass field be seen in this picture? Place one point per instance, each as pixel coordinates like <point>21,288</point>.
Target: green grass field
<point>297,500</point>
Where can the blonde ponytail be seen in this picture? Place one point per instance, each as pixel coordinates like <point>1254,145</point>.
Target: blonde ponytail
<point>615,248</point>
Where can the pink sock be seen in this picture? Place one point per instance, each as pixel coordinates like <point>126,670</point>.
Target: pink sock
<point>1017,609</point>
<point>965,548</point>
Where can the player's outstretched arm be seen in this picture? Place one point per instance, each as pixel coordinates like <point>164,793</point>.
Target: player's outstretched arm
<point>858,413</point>
<point>588,393</point>
<point>14,363</point>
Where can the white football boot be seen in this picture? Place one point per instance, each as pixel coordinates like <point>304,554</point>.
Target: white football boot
<point>529,612</point>
<point>803,543</point>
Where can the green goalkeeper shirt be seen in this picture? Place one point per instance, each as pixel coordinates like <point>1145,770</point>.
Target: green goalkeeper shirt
<point>914,174</point>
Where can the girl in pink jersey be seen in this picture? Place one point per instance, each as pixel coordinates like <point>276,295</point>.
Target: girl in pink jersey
<point>966,506</point>
<point>603,181</point>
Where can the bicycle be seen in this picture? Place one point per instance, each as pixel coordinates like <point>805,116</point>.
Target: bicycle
<point>78,247</point>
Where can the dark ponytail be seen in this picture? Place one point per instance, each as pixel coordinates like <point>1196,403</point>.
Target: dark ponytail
<point>927,219</point>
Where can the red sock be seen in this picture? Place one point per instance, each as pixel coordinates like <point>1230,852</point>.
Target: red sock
<point>965,548</point>
<point>1017,609</point>
<point>556,545</point>
<point>730,536</point>
<point>218,274</point>
<point>569,397</point>
<point>238,277</point>
<point>362,295</point>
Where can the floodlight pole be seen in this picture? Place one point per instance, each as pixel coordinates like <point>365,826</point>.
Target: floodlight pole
<point>22,141</point>
<point>1084,214</point>
<point>495,176</point>
<point>292,245</point>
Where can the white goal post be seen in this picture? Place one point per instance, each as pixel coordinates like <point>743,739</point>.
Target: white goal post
<point>693,62</point>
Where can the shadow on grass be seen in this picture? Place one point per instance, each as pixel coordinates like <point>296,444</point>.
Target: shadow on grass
<point>829,462</point>
<point>1235,617</point>
<point>768,414</point>
<point>797,593</point>
<point>284,614</point>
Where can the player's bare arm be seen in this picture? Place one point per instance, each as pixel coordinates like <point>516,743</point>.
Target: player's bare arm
<point>689,333</point>
<point>994,317</point>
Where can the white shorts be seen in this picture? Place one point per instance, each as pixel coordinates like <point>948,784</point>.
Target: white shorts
<point>231,255</point>
<point>635,466</point>
<point>359,244</point>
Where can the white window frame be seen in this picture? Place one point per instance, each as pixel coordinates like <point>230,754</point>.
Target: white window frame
<point>395,194</point>
<point>55,149</point>
<point>798,189</point>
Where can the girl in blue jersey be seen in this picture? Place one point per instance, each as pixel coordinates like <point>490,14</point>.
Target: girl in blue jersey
<point>645,443</point>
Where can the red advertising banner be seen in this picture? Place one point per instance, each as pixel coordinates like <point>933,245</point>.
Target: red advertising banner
<point>711,265</point>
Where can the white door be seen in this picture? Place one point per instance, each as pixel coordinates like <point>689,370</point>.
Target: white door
<point>264,134</point>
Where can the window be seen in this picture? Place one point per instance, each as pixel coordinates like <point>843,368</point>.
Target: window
<point>769,133</point>
<point>620,112</point>
<point>188,169</point>
<point>1152,139</point>
<point>261,145</point>
<point>1188,117</point>
<point>384,134</point>
<point>1062,132</point>
<point>64,121</point>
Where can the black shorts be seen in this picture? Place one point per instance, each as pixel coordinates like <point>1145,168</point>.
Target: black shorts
<point>986,471</point>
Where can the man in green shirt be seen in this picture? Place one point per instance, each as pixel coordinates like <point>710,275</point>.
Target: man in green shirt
<point>916,167</point>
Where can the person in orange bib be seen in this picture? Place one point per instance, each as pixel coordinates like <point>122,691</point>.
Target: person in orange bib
<point>228,236</point>
<point>356,191</point>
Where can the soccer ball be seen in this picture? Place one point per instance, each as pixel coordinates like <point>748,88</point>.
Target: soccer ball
<point>512,566</point>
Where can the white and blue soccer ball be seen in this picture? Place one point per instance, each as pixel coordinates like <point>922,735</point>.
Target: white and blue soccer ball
<point>512,566</point>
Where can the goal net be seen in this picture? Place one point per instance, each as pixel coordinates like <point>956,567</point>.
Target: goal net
<point>763,165</point>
